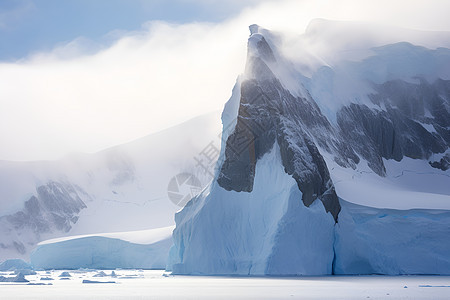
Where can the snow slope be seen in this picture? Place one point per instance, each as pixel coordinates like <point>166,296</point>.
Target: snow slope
<point>119,189</point>
<point>144,249</point>
<point>408,184</point>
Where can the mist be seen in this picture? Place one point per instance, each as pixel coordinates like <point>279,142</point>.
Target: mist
<point>82,97</point>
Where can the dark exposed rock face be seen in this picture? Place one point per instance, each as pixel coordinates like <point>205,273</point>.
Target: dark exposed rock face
<point>55,207</point>
<point>412,120</point>
<point>443,164</point>
<point>398,130</point>
<point>269,113</point>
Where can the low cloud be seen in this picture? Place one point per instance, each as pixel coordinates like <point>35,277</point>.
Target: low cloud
<point>83,96</point>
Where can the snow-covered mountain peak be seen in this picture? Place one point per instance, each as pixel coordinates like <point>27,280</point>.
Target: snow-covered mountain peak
<point>259,54</point>
<point>319,119</point>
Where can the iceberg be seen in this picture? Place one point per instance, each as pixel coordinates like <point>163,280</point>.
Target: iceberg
<point>327,166</point>
<point>146,249</point>
<point>392,242</point>
<point>18,278</point>
<point>14,264</point>
<point>264,232</point>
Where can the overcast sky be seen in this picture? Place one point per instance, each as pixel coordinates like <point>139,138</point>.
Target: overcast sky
<point>83,75</point>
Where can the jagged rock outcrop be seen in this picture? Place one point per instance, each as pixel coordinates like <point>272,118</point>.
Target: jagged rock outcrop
<point>442,164</point>
<point>269,113</point>
<point>400,128</point>
<point>54,208</point>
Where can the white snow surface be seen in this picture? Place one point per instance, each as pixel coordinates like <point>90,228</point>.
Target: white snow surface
<point>156,284</point>
<point>408,184</point>
<point>148,236</point>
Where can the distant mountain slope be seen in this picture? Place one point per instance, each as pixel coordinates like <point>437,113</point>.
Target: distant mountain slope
<point>119,189</point>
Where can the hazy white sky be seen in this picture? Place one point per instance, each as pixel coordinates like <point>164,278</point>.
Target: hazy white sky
<point>82,96</point>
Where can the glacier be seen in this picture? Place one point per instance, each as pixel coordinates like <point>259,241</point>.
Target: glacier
<point>334,164</point>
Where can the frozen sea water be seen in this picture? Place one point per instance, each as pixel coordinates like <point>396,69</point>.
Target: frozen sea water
<point>151,284</point>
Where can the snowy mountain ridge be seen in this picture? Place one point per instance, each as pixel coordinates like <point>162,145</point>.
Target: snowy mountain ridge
<point>303,138</point>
